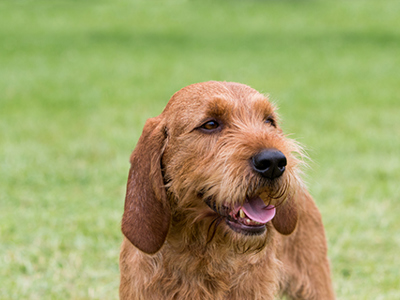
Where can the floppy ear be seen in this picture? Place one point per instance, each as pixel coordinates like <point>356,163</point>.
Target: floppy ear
<point>286,216</point>
<point>147,214</point>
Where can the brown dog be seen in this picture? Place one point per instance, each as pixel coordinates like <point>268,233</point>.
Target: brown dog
<point>215,208</point>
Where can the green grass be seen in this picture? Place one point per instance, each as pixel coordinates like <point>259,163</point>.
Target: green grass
<point>79,78</point>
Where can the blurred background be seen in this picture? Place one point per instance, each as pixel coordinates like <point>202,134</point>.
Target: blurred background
<point>78,79</point>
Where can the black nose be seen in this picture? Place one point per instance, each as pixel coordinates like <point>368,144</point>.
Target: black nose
<point>270,163</point>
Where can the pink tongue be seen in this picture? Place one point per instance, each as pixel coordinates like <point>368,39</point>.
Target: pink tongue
<point>256,210</point>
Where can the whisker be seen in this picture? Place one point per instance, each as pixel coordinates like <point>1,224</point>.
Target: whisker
<point>214,222</point>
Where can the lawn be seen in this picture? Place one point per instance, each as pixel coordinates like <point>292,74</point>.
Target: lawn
<point>78,79</point>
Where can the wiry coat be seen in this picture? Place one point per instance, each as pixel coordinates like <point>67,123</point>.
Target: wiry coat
<point>191,167</point>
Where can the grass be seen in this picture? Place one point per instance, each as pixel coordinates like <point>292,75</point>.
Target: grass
<point>79,78</point>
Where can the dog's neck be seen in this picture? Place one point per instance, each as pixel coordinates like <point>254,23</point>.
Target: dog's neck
<point>190,265</point>
<point>211,274</point>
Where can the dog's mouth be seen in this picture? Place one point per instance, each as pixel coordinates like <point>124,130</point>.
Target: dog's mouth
<point>249,218</point>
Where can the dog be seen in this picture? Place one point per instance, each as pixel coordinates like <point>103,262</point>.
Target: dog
<point>215,207</point>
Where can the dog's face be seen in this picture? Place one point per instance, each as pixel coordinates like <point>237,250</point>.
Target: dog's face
<point>216,155</point>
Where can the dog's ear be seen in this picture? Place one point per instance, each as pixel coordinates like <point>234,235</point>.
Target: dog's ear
<point>286,216</point>
<point>147,214</point>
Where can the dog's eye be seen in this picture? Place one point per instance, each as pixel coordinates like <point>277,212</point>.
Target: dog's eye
<point>210,125</point>
<point>270,121</point>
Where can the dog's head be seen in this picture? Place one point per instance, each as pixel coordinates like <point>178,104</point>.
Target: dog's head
<point>215,155</point>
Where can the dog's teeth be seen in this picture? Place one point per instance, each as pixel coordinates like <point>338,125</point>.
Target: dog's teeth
<point>241,213</point>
